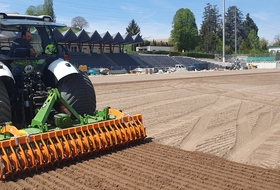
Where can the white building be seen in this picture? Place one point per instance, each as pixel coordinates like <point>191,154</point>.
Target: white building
<point>154,48</point>
<point>274,49</point>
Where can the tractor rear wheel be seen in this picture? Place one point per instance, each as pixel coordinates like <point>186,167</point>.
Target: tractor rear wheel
<point>78,92</point>
<point>5,107</point>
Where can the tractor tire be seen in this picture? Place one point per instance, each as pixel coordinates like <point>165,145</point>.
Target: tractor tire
<point>78,92</point>
<point>5,107</point>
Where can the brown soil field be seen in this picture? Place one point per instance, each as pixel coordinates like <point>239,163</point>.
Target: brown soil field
<point>206,130</point>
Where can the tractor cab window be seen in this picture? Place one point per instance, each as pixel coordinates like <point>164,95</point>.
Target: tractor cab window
<point>6,40</point>
<point>36,40</point>
<point>47,40</point>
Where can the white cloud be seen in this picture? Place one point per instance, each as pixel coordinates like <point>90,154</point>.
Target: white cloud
<point>264,16</point>
<point>5,7</point>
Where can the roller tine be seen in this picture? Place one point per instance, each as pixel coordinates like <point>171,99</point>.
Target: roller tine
<point>18,158</point>
<point>78,145</point>
<point>81,143</point>
<point>114,134</point>
<point>2,168</point>
<point>132,129</point>
<point>102,137</point>
<point>74,144</point>
<point>43,144</point>
<point>90,141</point>
<point>85,142</point>
<point>59,140</point>
<point>13,162</point>
<point>12,167</point>
<point>128,132</point>
<point>32,153</point>
<point>122,133</point>
<point>55,149</point>
<point>108,137</point>
<point>5,168</point>
<point>24,157</point>
<point>90,144</point>
<point>10,160</point>
<point>62,142</point>
<point>97,139</point>
<point>42,154</point>
<point>60,153</point>
<point>34,156</point>
<point>78,150</point>
<point>63,146</point>
<point>50,153</point>
<point>27,159</point>
<point>117,132</point>
<point>70,146</point>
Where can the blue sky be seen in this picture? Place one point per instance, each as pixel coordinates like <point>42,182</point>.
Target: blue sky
<point>154,17</point>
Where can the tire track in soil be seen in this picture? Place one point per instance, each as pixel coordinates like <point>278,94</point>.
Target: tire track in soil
<point>200,127</point>
<point>64,177</point>
<point>112,177</point>
<point>197,103</point>
<point>219,175</point>
<point>178,124</point>
<point>19,185</point>
<point>243,131</point>
<point>252,142</point>
<point>84,180</point>
<point>166,175</point>
<point>196,158</point>
<point>146,171</point>
<point>154,166</point>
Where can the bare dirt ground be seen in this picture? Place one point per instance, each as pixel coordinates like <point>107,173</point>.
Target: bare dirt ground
<point>206,130</point>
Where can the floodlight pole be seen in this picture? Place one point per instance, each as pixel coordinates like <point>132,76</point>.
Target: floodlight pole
<point>224,31</point>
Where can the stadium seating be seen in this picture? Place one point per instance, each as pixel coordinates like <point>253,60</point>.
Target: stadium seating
<point>120,61</point>
<point>123,60</point>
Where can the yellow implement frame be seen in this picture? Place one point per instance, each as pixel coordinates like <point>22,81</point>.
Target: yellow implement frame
<point>23,152</point>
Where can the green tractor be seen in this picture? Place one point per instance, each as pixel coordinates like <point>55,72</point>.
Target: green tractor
<point>25,80</point>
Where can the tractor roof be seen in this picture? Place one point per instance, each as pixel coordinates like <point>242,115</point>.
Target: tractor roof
<point>7,20</point>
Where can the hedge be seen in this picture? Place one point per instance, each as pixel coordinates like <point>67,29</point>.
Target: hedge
<point>189,54</point>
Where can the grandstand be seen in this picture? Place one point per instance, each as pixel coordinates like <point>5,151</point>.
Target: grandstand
<point>155,60</point>
<point>107,51</point>
<point>92,60</point>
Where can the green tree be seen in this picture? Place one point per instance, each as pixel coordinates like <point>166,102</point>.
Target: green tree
<point>276,40</point>
<point>233,14</point>
<point>184,33</point>
<point>248,25</point>
<point>210,27</point>
<point>45,9</point>
<point>48,8</point>
<point>245,46</point>
<point>263,44</point>
<point>254,40</point>
<point>35,10</point>
<point>132,28</point>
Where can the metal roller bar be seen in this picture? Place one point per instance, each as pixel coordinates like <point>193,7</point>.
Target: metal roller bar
<point>30,152</point>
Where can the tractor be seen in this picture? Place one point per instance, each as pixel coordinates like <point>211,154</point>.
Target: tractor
<point>47,106</point>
